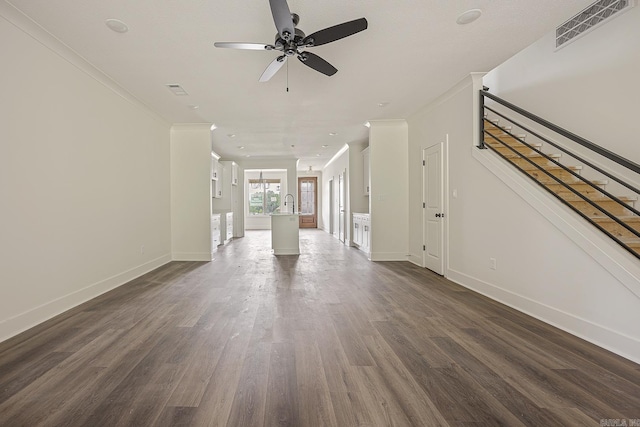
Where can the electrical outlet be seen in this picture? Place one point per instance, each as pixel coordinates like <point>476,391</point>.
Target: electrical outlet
<point>493,264</point>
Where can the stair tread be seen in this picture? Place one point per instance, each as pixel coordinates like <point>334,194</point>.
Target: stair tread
<point>624,218</point>
<point>631,241</point>
<point>493,130</point>
<point>489,136</point>
<point>572,198</point>
<point>594,182</point>
<point>553,167</point>
<point>519,143</point>
<point>534,156</point>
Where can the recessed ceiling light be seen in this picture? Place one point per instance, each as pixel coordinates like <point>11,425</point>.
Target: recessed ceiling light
<point>116,25</point>
<point>241,147</point>
<point>383,104</point>
<point>317,155</point>
<point>469,16</point>
<point>231,135</point>
<point>325,146</point>
<point>248,155</point>
<point>333,133</point>
<point>194,107</point>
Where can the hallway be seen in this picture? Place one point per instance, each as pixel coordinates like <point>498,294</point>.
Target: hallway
<point>326,338</point>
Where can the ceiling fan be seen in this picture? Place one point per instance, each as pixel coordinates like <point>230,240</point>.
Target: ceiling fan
<point>292,41</point>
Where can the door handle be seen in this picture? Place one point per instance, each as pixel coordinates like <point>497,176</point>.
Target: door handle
<point>439,215</point>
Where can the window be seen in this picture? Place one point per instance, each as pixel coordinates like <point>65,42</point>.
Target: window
<point>264,196</point>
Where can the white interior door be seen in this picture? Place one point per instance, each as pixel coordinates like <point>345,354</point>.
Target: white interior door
<point>433,188</point>
<point>341,213</point>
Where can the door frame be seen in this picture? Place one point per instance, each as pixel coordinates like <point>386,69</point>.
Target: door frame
<point>315,202</point>
<point>444,187</point>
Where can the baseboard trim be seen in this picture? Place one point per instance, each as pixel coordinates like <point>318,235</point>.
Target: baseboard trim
<point>24,321</point>
<point>415,259</point>
<point>388,256</point>
<point>623,345</point>
<point>191,256</point>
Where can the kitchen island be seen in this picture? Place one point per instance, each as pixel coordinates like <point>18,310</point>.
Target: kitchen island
<point>285,234</point>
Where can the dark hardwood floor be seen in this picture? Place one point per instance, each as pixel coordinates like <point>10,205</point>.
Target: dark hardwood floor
<point>324,339</point>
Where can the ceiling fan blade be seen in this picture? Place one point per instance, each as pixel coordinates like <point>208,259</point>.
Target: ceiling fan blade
<point>245,46</point>
<point>336,32</point>
<point>273,68</point>
<point>314,61</point>
<point>282,18</point>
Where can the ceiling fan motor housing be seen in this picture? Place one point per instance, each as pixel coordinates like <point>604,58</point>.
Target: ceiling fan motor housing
<point>290,47</point>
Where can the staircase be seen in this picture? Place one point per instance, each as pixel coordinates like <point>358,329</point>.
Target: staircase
<point>556,169</point>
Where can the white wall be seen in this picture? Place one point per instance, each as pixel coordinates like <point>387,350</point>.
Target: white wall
<point>388,150</point>
<point>84,180</point>
<point>593,82</point>
<point>540,270</point>
<point>191,192</point>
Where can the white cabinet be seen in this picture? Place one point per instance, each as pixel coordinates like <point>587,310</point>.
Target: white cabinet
<point>216,177</point>
<point>228,226</point>
<point>214,167</point>
<point>215,231</point>
<point>366,171</point>
<point>362,231</point>
<point>217,184</point>
<point>366,234</point>
<point>234,173</point>
<point>285,234</point>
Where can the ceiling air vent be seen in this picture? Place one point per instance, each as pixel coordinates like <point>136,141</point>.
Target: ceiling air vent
<point>177,89</point>
<point>594,15</point>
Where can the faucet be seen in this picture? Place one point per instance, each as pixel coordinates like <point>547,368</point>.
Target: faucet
<point>293,202</point>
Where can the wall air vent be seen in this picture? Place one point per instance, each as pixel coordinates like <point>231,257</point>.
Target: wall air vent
<point>594,15</point>
<point>177,89</point>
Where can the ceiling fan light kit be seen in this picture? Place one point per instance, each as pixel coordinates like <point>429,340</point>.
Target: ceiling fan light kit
<point>292,41</point>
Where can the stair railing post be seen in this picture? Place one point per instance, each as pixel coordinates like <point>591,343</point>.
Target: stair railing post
<point>481,112</point>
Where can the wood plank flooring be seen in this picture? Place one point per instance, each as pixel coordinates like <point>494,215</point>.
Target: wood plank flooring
<point>324,339</point>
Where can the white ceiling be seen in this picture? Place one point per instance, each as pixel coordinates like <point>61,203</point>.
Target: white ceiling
<point>411,53</point>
